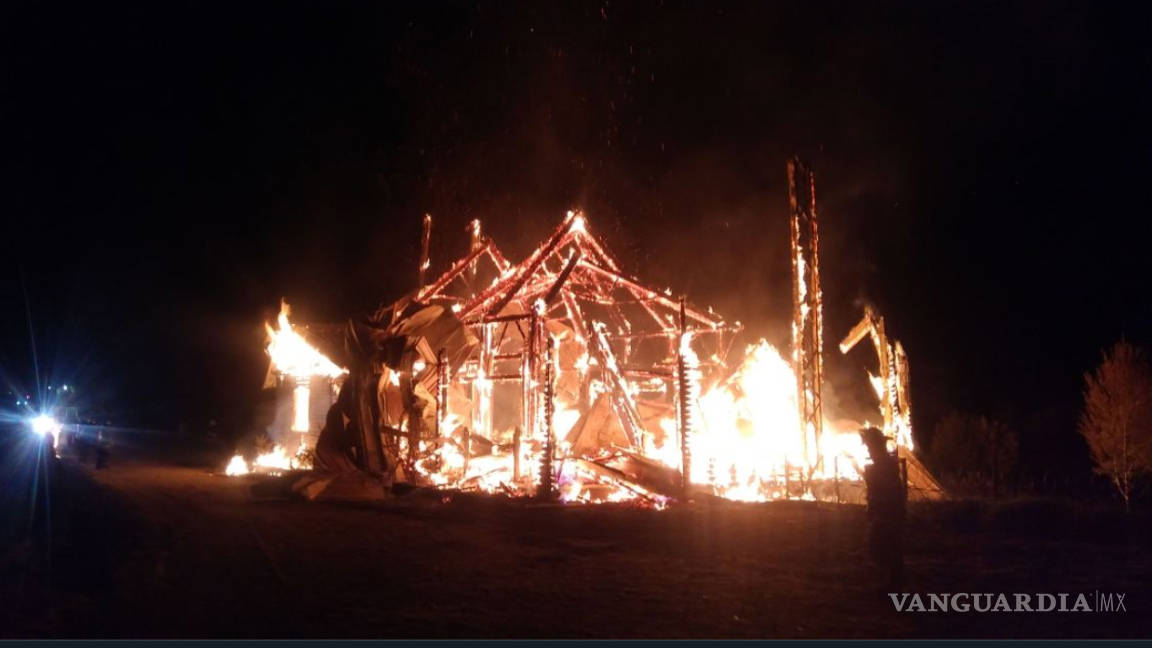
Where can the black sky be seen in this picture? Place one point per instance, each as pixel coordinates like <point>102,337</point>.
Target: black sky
<point>171,170</point>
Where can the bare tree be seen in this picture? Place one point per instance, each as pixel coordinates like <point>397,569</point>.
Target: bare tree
<point>1117,418</point>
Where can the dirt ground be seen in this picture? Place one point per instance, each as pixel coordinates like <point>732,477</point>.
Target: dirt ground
<point>150,549</point>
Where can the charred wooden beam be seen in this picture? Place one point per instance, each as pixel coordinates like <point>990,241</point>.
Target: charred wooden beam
<point>527,389</point>
<point>549,449</point>
<point>441,393</point>
<point>862,328</point>
<point>476,246</point>
<point>522,277</point>
<point>621,398</point>
<point>454,272</point>
<point>892,373</point>
<point>674,333</point>
<point>550,296</point>
<point>506,377</point>
<point>508,286</point>
<point>425,239</point>
<point>503,318</point>
<point>498,259</point>
<point>649,373</point>
<point>903,385</point>
<point>807,309</point>
<point>613,477</point>
<point>580,227</point>
<point>650,294</point>
<point>683,396</point>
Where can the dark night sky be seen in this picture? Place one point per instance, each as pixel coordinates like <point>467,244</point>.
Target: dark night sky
<point>171,170</point>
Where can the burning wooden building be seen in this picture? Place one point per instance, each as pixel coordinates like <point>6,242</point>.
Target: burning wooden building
<point>562,376</point>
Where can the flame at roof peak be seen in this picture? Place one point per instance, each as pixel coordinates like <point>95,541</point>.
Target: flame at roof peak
<point>292,355</point>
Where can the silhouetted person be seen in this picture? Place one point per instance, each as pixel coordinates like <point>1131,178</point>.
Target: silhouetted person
<point>102,451</point>
<point>885,507</point>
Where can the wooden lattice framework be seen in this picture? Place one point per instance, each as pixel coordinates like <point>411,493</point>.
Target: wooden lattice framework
<point>571,289</point>
<point>807,309</point>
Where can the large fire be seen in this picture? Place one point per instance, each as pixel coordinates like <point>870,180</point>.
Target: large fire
<point>298,361</point>
<point>743,443</point>
<point>292,355</point>
<point>745,437</point>
<point>568,378</point>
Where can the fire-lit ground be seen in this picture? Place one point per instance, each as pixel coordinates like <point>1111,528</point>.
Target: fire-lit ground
<point>148,549</point>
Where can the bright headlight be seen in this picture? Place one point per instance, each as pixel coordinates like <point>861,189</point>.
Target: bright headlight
<point>44,424</point>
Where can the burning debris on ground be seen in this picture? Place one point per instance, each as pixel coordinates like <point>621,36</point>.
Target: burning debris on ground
<point>561,377</point>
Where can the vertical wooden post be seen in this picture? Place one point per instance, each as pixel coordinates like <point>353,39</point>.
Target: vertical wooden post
<point>441,399</point>
<point>528,372</point>
<point>467,449</point>
<point>683,394</point>
<point>485,427</point>
<point>807,311</point>
<point>414,421</point>
<point>477,241</point>
<point>481,398</point>
<point>546,479</point>
<point>425,238</point>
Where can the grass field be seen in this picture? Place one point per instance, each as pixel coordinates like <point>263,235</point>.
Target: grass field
<point>148,548</point>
